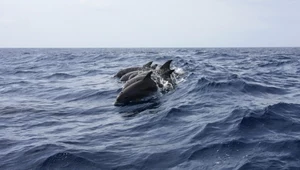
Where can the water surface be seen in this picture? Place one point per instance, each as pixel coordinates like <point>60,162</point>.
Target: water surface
<point>235,109</point>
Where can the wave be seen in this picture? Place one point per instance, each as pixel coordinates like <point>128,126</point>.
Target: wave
<point>25,72</point>
<point>135,108</point>
<point>253,125</point>
<point>205,85</point>
<point>234,109</point>
<point>86,95</point>
<point>59,76</point>
<point>199,52</point>
<point>22,82</point>
<point>94,96</point>
<point>281,118</point>
<point>243,154</point>
<point>274,63</point>
<point>182,50</point>
<point>247,139</point>
<point>65,160</point>
<point>7,143</point>
<point>92,72</point>
<point>15,110</point>
<point>152,52</point>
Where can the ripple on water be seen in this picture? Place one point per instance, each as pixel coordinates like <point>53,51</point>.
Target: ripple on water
<point>232,109</point>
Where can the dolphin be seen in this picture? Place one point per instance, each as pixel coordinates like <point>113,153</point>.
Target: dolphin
<point>137,78</point>
<point>137,90</point>
<point>126,76</point>
<point>133,75</point>
<point>140,76</point>
<point>137,74</point>
<point>130,69</point>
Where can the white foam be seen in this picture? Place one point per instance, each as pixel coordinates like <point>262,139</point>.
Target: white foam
<point>179,71</point>
<point>164,85</point>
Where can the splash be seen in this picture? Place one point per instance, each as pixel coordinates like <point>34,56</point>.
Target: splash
<point>167,85</point>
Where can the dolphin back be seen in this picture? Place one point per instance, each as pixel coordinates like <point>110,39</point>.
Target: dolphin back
<point>126,76</point>
<point>138,78</point>
<point>126,70</point>
<point>137,90</point>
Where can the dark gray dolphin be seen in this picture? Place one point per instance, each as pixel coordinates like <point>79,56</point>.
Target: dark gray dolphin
<point>133,75</point>
<point>130,69</point>
<point>137,90</point>
<point>137,78</point>
<point>126,76</point>
<point>140,73</point>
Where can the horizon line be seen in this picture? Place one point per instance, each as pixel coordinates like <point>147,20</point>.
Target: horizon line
<point>145,47</point>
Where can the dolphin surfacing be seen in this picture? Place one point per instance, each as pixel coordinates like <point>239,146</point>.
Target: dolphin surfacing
<point>126,76</point>
<point>131,69</point>
<point>137,90</point>
<point>137,78</point>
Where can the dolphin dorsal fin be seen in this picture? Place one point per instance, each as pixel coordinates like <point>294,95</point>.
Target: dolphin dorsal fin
<point>166,66</point>
<point>147,65</point>
<point>154,66</point>
<point>168,73</point>
<point>148,75</point>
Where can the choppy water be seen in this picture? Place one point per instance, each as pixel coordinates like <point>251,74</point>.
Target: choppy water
<point>235,109</point>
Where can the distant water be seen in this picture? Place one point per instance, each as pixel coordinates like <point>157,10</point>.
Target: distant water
<point>235,109</point>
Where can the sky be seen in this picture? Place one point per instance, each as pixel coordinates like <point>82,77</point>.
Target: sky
<point>149,23</point>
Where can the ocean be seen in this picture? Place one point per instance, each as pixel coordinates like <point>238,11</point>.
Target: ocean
<point>234,108</point>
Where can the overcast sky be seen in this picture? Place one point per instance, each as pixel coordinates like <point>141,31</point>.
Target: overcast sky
<point>149,23</point>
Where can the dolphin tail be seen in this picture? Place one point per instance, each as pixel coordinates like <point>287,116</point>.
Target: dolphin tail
<point>147,65</point>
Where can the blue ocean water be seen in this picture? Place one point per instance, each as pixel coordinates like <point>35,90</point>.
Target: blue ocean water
<point>235,108</point>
